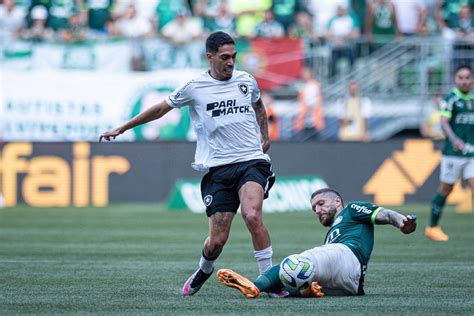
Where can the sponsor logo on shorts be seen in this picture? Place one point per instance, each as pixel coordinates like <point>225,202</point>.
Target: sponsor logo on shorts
<point>207,200</point>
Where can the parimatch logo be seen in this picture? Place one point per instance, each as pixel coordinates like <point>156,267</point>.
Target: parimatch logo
<point>226,107</point>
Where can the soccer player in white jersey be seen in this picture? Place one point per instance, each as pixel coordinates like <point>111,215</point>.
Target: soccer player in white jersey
<point>230,121</point>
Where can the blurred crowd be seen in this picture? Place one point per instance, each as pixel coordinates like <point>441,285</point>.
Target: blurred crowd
<point>342,27</point>
<point>336,23</point>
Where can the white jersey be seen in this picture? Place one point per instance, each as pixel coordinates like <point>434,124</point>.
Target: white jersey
<point>223,118</point>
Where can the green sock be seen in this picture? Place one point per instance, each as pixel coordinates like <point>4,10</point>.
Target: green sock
<point>437,206</point>
<point>270,280</point>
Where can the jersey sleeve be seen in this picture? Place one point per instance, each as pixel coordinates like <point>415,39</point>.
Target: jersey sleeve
<point>181,96</point>
<point>363,212</point>
<point>255,90</point>
<point>446,107</point>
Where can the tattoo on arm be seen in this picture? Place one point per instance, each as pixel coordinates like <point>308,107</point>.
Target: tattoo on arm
<point>261,116</point>
<point>386,216</point>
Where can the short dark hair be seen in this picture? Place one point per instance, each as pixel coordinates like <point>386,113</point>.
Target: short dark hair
<point>461,67</point>
<point>216,40</point>
<point>327,190</point>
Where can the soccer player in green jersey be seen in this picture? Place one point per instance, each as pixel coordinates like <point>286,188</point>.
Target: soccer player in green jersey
<point>457,122</point>
<point>341,262</point>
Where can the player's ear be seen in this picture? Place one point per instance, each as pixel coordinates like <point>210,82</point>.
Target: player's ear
<point>338,201</point>
<point>209,55</point>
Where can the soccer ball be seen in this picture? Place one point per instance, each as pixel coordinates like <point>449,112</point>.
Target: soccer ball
<point>296,272</point>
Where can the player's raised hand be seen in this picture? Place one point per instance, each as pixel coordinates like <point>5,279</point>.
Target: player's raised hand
<point>107,135</point>
<point>409,224</point>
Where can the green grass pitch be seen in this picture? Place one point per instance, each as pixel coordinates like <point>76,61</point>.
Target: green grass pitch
<point>133,259</point>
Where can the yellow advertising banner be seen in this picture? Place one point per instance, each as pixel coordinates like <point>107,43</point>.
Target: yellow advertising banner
<point>52,181</point>
<point>407,170</point>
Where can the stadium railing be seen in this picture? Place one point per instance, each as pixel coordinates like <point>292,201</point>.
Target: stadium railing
<point>400,77</point>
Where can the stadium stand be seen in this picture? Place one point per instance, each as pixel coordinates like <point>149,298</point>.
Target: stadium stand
<point>399,64</point>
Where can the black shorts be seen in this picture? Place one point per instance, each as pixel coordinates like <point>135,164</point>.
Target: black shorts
<point>220,186</point>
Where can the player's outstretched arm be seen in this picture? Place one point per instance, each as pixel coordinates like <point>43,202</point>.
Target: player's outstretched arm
<point>406,224</point>
<point>150,114</point>
<point>261,116</point>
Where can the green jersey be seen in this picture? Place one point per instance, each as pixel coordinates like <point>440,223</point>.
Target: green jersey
<point>458,107</point>
<point>166,11</point>
<point>59,13</point>
<point>354,227</point>
<point>383,22</point>
<point>450,10</point>
<point>99,13</point>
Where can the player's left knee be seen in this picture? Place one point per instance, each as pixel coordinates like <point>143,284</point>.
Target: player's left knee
<point>253,219</point>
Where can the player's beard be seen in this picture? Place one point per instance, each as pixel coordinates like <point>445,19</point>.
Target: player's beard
<point>227,72</point>
<point>465,88</point>
<point>329,218</point>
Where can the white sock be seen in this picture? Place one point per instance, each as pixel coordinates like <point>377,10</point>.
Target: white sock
<point>264,259</point>
<point>206,264</point>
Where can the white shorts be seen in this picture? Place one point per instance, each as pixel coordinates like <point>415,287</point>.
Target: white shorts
<point>454,168</point>
<point>338,270</point>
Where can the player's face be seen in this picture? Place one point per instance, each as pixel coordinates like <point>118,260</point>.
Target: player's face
<point>222,62</point>
<point>325,207</point>
<point>353,89</point>
<point>463,80</point>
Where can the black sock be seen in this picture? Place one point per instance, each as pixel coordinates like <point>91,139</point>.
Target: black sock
<point>206,263</point>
